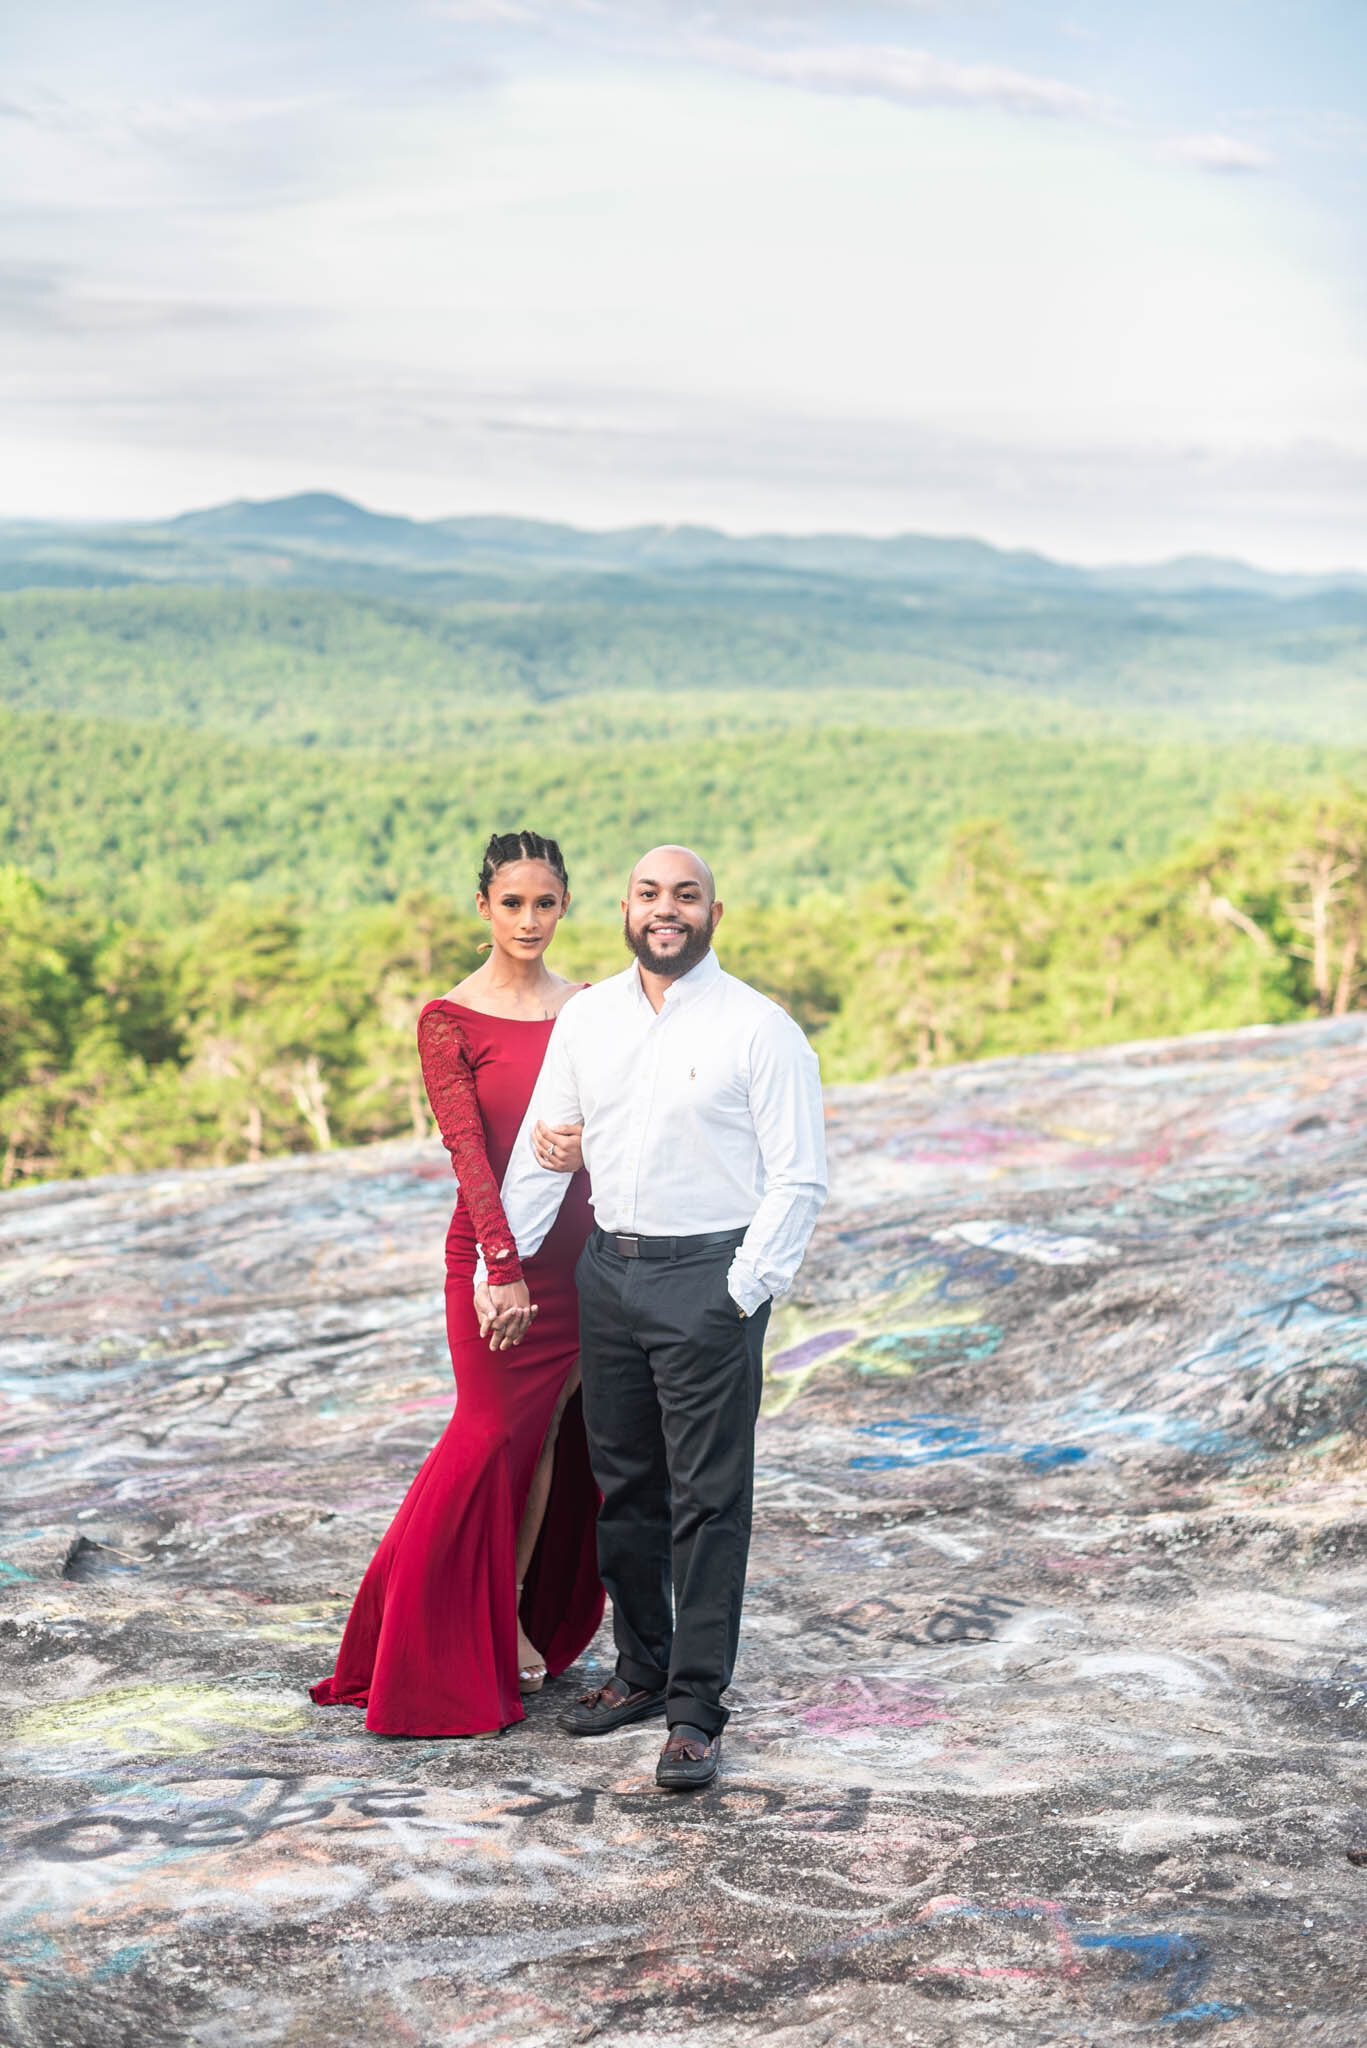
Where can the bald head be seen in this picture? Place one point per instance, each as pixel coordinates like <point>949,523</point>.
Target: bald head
<point>668,865</point>
<point>669,912</point>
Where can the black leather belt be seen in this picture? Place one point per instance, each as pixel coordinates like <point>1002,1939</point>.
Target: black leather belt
<point>628,1246</point>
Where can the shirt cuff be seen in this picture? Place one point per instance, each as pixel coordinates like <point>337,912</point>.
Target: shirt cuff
<point>744,1289</point>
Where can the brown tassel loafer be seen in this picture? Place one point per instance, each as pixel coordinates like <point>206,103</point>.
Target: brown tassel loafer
<point>689,1759</point>
<point>611,1706</point>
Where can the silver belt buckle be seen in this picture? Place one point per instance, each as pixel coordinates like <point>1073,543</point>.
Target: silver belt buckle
<point>629,1247</point>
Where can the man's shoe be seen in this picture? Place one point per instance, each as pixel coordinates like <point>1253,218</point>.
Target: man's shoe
<point>611,1706</point>
<point>689,1759</point>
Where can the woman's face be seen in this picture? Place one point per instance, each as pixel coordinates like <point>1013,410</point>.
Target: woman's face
<point>525,903</point>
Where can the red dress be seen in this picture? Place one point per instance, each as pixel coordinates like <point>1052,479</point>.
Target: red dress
<point>431,1644</point>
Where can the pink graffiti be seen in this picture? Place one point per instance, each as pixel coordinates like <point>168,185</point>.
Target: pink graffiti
<point>1063,1960</point>
<point>851,1703</point>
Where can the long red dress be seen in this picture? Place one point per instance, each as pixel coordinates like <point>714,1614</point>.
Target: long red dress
<point>431,1644</point>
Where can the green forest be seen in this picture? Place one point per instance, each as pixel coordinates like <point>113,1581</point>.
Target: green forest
<point>239,826</point>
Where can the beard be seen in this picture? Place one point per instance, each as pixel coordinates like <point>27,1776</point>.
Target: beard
<point>670,965</point>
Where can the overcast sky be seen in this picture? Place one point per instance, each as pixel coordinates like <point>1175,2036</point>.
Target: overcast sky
<point>1090,277</point>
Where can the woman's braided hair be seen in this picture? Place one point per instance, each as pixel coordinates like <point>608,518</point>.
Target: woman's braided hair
<point>507,846</point>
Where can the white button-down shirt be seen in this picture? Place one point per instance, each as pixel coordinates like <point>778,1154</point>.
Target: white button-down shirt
<point>703,1115</point>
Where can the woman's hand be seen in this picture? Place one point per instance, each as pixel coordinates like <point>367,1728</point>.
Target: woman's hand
<point>558,1147</point>
<point>505,1313</point>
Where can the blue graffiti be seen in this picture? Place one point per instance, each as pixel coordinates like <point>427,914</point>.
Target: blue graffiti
<point>1152,1954</point>
<point>1150,1425</point>
<point>956,1271</point>
<point>933,1343</point>
<point>1179,1958</point>
<point>931,1439</point>
<point>1049,1457</point>
<point>123,1961</point>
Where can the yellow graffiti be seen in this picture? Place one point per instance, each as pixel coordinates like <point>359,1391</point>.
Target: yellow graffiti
<point>792,1327</point>
<point>287,1620</point>
<point>171,1719</point>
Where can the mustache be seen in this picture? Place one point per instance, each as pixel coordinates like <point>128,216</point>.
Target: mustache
<point>697,940</point>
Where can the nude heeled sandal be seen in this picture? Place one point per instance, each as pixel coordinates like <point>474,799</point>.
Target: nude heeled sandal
<point>530,1677</point>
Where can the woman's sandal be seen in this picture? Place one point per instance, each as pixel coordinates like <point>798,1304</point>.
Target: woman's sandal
<point>530,1677</point>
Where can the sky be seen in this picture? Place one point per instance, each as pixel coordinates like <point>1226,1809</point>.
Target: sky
<point>1089,277</point>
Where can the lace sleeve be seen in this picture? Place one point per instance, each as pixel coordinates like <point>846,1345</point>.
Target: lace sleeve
<point>450,1083</point>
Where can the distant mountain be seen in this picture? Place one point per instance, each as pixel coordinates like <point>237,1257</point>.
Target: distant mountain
<point>907,557</point>
<point>1184,573</point>
<point>322,522</point>
<point>317,536</point>
<point>316,520</point>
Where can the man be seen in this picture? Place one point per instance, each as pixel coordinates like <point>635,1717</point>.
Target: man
<point>704,1136</point>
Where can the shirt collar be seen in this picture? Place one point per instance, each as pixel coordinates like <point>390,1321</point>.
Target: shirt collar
<point>688,986</point>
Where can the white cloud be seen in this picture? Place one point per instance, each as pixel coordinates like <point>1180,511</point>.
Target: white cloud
<point>909,78</point>
<point>654,284</point>
<point>485,13</point>
<point>1224,154</point>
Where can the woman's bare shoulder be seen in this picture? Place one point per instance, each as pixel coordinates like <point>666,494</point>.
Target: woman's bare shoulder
<point>474,994</point>
<point>567,991</point>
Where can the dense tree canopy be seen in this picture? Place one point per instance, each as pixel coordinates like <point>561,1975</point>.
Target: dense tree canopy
<point>241,828</point>
<point>263,1030</point>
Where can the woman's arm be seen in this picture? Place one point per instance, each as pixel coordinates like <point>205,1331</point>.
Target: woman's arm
<point>558,1147</point>
<point>450,1083</point>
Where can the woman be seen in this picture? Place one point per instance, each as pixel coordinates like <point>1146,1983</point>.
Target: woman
<point>487,1580</point>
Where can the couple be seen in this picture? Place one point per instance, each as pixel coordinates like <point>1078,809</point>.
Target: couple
<point>696,1105</point>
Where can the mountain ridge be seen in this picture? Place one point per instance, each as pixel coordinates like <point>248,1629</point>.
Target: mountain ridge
<point>274,538</point>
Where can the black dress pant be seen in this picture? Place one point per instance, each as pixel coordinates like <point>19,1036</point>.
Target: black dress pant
<point>672,1376</point>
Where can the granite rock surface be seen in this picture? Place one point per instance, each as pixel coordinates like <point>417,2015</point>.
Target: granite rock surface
<point>1050,1714</point>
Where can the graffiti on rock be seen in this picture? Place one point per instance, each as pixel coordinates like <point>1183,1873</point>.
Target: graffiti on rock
<point>1050,1693</point>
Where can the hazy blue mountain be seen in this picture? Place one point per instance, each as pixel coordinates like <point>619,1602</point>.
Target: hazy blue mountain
<point>317,536</point>
<point>1187,573</point>
<point>316,519</point>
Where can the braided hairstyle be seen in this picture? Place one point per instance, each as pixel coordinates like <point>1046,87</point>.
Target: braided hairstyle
<point>508,846</point>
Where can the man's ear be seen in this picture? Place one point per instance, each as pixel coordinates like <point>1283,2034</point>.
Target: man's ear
<point>717,909</point>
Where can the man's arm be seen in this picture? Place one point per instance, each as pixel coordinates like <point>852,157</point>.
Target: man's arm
<point>790,1125</point>
<point>531,1193</point>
